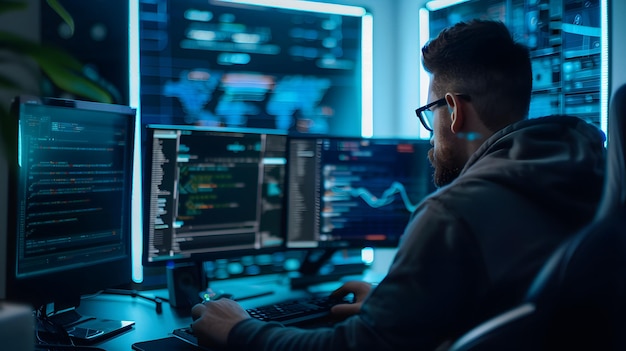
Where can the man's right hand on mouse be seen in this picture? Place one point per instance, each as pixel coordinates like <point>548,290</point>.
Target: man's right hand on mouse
<point>359,289</point>
<point>214,319</point>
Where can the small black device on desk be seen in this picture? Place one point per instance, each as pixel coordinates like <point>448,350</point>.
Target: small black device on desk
<point>170,343</point>
<point>44,347</point>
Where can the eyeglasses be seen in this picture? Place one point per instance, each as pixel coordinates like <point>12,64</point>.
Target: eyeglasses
<point>427,115</point>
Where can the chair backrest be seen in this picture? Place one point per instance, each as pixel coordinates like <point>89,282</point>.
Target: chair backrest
<point>578,299</point>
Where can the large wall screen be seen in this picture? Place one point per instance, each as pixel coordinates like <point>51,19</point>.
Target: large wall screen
<point>226,64</point>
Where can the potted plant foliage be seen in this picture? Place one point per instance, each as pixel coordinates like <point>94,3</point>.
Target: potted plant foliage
<point>60,68</point>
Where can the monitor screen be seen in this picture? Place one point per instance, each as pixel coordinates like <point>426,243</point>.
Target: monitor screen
<point>212,192</point>
<point>567,63</point>
<point>69,199</point>
<point>353,192</point>
<point>254,64</point>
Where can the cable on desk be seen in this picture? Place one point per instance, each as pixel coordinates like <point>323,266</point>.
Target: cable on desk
<point>47,331</point>
<point>134,293</point>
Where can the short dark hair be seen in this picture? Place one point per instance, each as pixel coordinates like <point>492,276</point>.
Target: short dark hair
<point>480,58</point>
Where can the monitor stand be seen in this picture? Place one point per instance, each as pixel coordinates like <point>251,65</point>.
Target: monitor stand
<point>317,268</point>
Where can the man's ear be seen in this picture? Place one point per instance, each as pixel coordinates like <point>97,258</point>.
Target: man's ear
<point>456,113</point>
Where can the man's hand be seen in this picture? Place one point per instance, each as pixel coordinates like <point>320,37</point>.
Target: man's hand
<point>360,291</point>
<point>213,321</point>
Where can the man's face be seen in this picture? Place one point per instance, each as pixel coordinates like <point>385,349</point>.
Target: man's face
<point>446,154</point>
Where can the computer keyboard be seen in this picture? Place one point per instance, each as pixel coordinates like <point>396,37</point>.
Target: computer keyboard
<point>298,311</point>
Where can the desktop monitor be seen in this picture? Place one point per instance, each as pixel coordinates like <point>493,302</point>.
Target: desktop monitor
<point>67,230</point>
<point>353,192</point>
<point>211,193</point>
<point>287,65</point>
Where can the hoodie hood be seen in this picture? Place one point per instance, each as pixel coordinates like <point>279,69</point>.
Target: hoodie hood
<point>546,159</point>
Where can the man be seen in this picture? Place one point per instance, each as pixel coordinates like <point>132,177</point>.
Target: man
<point>511,189</point>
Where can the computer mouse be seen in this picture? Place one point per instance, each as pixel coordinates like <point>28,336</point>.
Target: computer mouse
<point>222,296</point>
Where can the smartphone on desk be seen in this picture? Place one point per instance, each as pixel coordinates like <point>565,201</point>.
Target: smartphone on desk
<point>170,343</point>
<point>96,329</point>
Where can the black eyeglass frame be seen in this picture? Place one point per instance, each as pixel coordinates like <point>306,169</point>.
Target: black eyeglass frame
<point>437,103</point>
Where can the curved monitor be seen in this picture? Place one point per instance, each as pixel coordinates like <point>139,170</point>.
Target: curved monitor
<point>211,193</point>
<point>69,196</point>
<point>353,192</point>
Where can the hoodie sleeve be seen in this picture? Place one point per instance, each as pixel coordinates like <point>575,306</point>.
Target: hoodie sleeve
<point>425,292</point>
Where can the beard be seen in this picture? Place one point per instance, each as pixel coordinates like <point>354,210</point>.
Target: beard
<point>447,166</point>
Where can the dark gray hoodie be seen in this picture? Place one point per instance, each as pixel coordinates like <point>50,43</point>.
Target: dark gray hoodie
<point>472,247</point>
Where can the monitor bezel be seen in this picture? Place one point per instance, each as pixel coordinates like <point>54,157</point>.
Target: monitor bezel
<point>170,111</point>
<point>346,243</point>
<point>64,288</point>
<point>197,258</point>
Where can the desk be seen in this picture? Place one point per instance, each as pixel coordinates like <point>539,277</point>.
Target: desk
<point>149,325</point>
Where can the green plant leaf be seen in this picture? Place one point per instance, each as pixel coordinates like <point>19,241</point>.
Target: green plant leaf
<point>60,10</point>
<point>7,83</point>
<point>8,6</point>
<point>73,82</point>
<point>19,45</point>
<point>66,72</point>
<point>63,69</point>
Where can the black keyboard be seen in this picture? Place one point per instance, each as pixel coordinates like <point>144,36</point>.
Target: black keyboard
<point>288,312</point>
<point>295,311</point>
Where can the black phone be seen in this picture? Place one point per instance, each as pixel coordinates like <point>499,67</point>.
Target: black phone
<point>96,329</point>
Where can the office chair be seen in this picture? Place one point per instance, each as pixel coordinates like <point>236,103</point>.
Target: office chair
<point>578,299</point>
